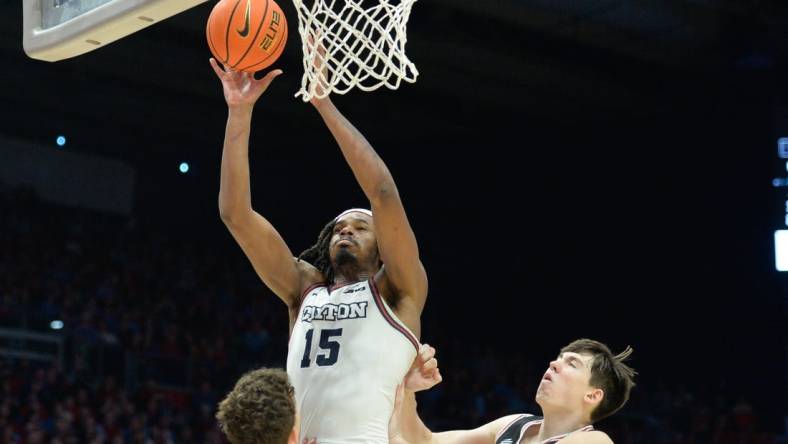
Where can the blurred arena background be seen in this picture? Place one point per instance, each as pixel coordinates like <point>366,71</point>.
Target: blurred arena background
<point>604,169</point>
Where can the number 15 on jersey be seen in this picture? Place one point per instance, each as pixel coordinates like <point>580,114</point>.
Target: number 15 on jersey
<point>329,348</point>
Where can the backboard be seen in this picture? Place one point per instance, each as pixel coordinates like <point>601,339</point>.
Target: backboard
<point>59,29</point>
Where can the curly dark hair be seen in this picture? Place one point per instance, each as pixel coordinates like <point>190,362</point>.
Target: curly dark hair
<point>609,373</point>
<point>318,255</point>
<point>260,409</point>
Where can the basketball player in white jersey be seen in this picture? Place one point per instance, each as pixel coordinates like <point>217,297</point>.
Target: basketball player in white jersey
<point>585,384</point>
<point>354,299</point>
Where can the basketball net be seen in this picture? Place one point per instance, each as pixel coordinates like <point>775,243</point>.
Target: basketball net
<point>364,47</point>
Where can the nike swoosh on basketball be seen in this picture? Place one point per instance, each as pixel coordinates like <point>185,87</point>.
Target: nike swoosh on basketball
<point>244,32</point>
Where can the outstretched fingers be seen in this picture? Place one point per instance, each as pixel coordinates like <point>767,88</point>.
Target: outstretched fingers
<point>215,67</point>
<point>268,78</point>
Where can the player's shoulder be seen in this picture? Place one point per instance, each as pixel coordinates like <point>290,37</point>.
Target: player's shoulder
<point>591,437</point>
<point>306,269</point>
<point>499,425</point>
<point>311,278</point>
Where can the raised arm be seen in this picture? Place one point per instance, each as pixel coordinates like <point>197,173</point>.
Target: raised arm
<point>264,247</point>
<point>396,241</point>
<point>413,430</point>
<point>405,426</point>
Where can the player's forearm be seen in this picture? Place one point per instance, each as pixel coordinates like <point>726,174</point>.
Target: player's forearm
<point>234,190</point>
<point>371,173</point>
<point>413,429</point>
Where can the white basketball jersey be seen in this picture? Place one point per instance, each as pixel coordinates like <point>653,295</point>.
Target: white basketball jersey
<point>348,351</point>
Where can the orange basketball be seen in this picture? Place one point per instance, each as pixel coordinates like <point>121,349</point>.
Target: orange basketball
<point>246,35</point>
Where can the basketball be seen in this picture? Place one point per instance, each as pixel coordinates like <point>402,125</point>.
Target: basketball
<point>246,35</point>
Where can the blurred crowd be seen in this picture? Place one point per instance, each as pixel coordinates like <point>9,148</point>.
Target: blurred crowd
<point>157,329</point>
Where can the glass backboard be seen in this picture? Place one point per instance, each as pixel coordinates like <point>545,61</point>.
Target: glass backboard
<point>60,29</point>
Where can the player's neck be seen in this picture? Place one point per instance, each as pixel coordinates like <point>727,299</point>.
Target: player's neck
<point>560,424</point>
<point>349,272</point>
<point>350,276</point>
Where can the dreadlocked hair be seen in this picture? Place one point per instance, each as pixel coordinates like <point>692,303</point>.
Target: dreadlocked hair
<point>317,254</point>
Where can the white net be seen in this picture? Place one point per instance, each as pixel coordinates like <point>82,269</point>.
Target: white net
<point>364,45</point>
